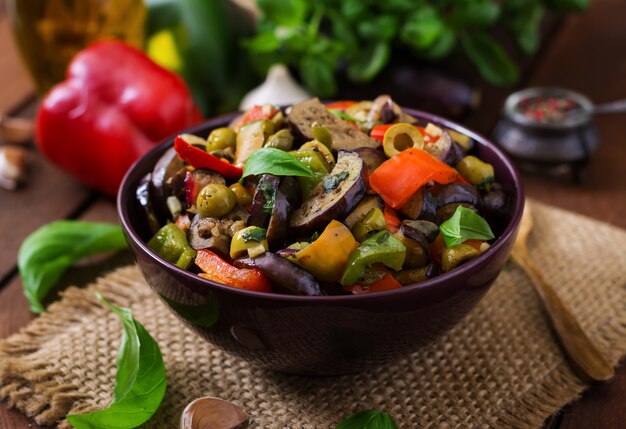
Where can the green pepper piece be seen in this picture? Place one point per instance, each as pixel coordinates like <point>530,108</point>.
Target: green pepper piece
<point>382,248</point>
<point>373,221</point>
<point>171,243</point>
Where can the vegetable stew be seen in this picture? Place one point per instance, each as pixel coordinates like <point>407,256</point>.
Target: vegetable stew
<point>310,200</point>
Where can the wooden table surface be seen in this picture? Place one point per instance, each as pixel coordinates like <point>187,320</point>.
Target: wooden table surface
<point>586,53</point>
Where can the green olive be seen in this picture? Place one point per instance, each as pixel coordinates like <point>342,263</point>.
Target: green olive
<point>215,200</point>
<point>221,138</point>
<point>249,240</point>
<point>456,255</point>
<point>319,147</point>
<point>400,137</point>
<point>372,222</point>
<point>476,172</point>
<point>322,135</point>
<point>282,140</point>
<point>244,198</point>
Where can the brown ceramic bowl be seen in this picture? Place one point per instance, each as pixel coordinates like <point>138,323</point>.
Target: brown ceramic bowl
<point>323,335</point>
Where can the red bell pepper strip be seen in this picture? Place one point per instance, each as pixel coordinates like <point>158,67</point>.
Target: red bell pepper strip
<point>115,104</point>
<point>386,283</point>
<point>198,158</point>
<point>392,219</point>
<point>378,133</point>
<point>396,179</point>
<point>218,270</point>
<point>340,105</point>
<point>256,113</point>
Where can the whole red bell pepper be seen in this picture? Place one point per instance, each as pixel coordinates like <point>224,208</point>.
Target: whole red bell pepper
<point>115,104</point>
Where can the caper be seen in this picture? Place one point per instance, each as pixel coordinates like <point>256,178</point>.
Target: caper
<point>400,137</point>
<point>476,172</point>
<point>221,138</point>
<point>244,198</point>
<point>215,200</point>
<point>456,255</point>
<point>282,140</point>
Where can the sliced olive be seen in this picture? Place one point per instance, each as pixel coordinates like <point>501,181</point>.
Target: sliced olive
<point>215,200</point>
<point>282,140</point>
<point>221,138</point>
<point>400,137</point>
<point>456,255</point>
<point>476,172</point>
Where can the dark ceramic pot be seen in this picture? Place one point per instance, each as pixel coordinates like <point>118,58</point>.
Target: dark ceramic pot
<point>325,335</point>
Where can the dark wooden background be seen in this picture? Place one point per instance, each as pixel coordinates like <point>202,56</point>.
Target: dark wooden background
<point>586,53</point>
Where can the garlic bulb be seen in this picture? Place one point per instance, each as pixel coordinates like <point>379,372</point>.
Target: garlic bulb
<point>279,88</point>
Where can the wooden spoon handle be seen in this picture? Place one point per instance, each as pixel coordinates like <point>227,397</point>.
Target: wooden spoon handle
<point>585,357</point>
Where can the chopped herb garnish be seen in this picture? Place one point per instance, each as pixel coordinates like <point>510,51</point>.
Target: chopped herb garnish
<point>269,195</point>
<point>253,234</point>
<point>331,182</point>
<point>314,237</point>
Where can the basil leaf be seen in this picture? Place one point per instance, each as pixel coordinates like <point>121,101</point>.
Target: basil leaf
<point>490,59</point>
<point>274,161</point>
<point>283,12</point>
<point>332,182</point>
<point>370,419</point>
<point>140,381</point>
<point>422,29</point>
<point>464,225</point>
<point>370,61</point>
<point>49,251</point>
<point>255,234</point>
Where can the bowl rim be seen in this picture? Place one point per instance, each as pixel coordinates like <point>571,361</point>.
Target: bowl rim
<point>124,194</point>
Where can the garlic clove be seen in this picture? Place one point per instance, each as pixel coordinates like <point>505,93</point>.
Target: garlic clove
<point>13,160</point>
<point>212,413</point>
<point>279,88</point>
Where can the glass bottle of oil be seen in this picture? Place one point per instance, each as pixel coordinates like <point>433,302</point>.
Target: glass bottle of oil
<point>50,32</point>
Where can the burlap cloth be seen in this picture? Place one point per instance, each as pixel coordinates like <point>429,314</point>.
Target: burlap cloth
<point>500,367</point>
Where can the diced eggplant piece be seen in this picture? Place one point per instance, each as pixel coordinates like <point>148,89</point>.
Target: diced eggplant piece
<point>363,209</point>
<point>441,148</point>
<point>495,202</point>
<point>200,236</point>
<point>345,137</point>
<point>142,194</point>
<point>421,205</point>
<point>263,200</point>
<point>372,158</point>
<point>334,197</point>
<point>459,193</point>
<point>454,154</point>
<point>417,253</point>
<point>415,275</point>
<point>283,274</point>
<point>446,211</point>
<point>288,198</point>
<point>428,229</point>
<point>251,137</point>
<point>161,181</point>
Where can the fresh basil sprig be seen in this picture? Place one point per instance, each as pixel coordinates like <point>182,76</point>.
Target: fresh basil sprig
<point>49,251</point>
<point>140,381</point>
<point>274,161</point>
<point>464,225</point>
<point>370,419</point>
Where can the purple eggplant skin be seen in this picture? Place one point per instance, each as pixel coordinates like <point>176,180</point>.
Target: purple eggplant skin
<point>428,229</point>
<point>322,207</point>
<point>371,157</point>
<point>288,198</point>
<point>421,205</point>
<point>259,212</point>
<point>283,274</point>
<point>459,193</point>
<point>454,155</point>
<point>161,181</point>
<point>142,194</point>
<point>417,250</point>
